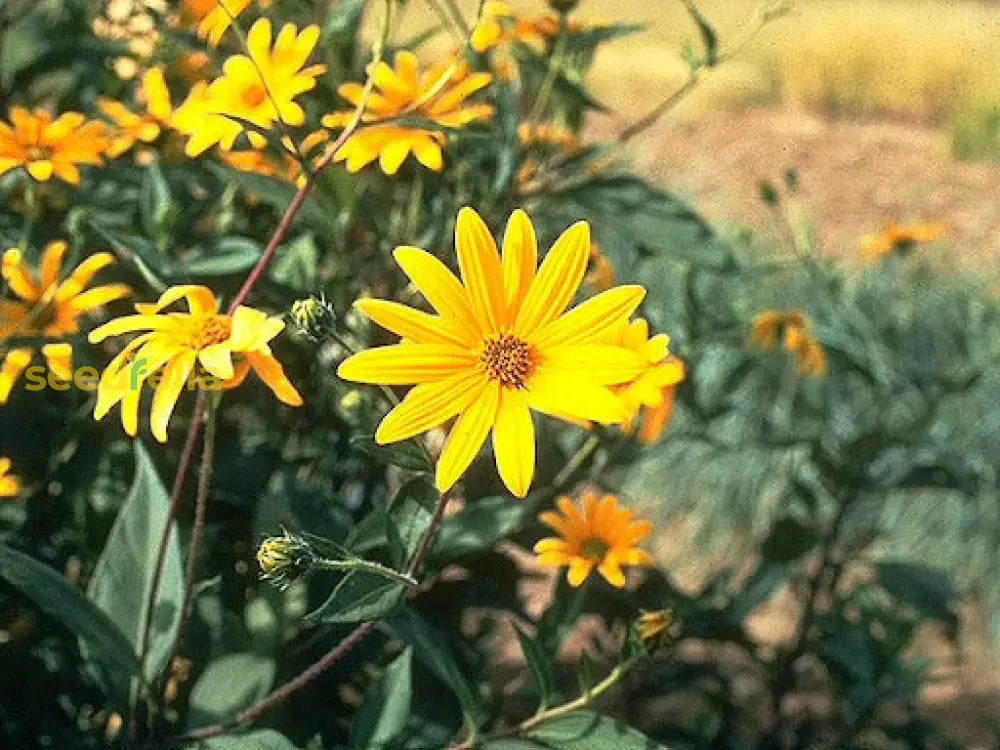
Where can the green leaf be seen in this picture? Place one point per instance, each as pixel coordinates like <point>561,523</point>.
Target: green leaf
<point>708,36</point>
<point>359,596</point>
<point>262,739</point>
<point>789,540</point>
<point>406,454</point>
<point>929,591</point>
<point>228,255</point>
<point>767,578</point>
<point>68,605</point>
<point>157,210</point>
<point>433,650</point>
<point>382,716</point>
<point>296,263</point>
<point>409,518</point>
<point>123,577</point>
<point>227,686</point>
<point>512,745</point>
<point>539,665</point>
<point>480,525</point>
<point>585,730</point>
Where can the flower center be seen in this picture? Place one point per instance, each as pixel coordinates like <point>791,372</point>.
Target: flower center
<point>36,153</point>
<point>507,359</point>
<point>594,549</point>
<point>254,95</point>
<point>213,329</point>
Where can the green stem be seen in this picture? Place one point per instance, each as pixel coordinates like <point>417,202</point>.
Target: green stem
<point>576,461</point>
<point>368,566</point>
<point>555,65</point>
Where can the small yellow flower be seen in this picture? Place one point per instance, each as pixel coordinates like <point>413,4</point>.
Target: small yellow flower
<point>793,328</point>
<point>212,16</point>
<point>10,485</point>
<point>284,167</point>
<point>898,238</point>
<point>500,345</point>
<point>226,347</point>
<point>438,95</point>
<point>48,308</point>
<point>594,533</point>
<point>130,127</point>
<point>45,147</point>
<point>650,396</point>
<point>489,31</point>
<point>260,89</point>
<point>654,628</point>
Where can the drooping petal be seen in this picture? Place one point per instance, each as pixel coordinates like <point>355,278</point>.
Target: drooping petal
<point>411,324</point>
<point>429,405</point>
<point>51,262</point>
<point>59,359</point>
<point>200,299</point>
<point>19,277</point>
<point>579,569</point>
<point>564,395</point>
<point>82,275</point>
<point>98,296</point>
<point>252,329</point>
<point>589,320</point>
<point>612,571</point>
<point>482,273</point>
<point>557,281</point>
<point>217,359</point>
<point>405,364</point>
<point>520,257</point>
<point>273,374</point>
<point>175,375</point>
<point>467,437</point>
<point>514,441</point>
<point>128,324</point>
<point>440,287</point>
<point>13,365</point>
<point>115,381</point>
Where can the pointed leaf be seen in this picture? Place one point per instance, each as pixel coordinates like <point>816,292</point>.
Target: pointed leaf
<point>585,730</point>
<point>382,716</point>
<point>228,685</point>
<point>359,596</point>
<point>539,665</point>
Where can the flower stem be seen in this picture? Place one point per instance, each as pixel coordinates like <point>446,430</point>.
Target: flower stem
<point>367,566</point>
<point>576,461</point>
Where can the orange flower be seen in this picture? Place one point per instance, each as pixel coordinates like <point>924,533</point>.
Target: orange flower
<point>794,330</point>
<point>45,147</point>
<point>130,127</point>
<point>898,238</point>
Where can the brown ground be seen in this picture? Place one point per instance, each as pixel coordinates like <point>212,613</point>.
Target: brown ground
<point>853,176</point>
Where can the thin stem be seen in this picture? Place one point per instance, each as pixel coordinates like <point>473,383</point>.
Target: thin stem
<point>555,67</point>
<point>368,566</point>
<point>577,460</point>
<point>201,503</point>
<point>428,540</point>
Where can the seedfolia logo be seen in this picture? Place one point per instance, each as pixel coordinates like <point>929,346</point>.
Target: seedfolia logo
<point>130,377</point>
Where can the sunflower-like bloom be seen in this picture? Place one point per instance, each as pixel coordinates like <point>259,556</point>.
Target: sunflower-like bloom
<point>438,95</point>
<point>499,346</point>
<point>260,89</point>
<point>795,331</point>
<point>226,347</point>
<point>10,485</point>
<point>45,147</point>
<point>48,308</point>
<point>650,397</point>
<point>131,127</point>
<point>594,533</point>
<point>898,238</point>
<point>212,16</point>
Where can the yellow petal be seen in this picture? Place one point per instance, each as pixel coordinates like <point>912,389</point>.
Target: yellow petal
<point>579,569</point>
<point>612,572</point>
<point>82,275</point>
<point>440,287</point>
<point>592,318</point>
<point>127,324</point>
<point>51,262</point>
<point>393,154</point>
<point>429,405</point>
<point>550,544</point>
<point>564,395</point>
<point>408,323</point>
<point>218,360</point>
<point>405,364</point>
<point>252,329</point>
<point>200,299</point>
<point>599,363</point>
<point>59,358</point>
<point>18,277</point>
<point>98,296</point>
<point>514,441</point>
<point>115,381</point>
<point>467,437</point>
<point>41,170</point>
<point>482,273</point>
<point>271,372</point>
<point>175,375</point>
<point>520,257</point>
<point>13,365</point>
<point>557,281</point>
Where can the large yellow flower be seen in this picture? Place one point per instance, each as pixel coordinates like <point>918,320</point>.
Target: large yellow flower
<point>437,95</point>
<point>145,127</point>
<point>45,148</point>
<point>260,89</point>
<point>10,485</point>
<point>650,397</point>
<point>212,16</point>
<point>48,308</point>
<point>225,347</point>
<point>499,346</point>
<point>593,534</point>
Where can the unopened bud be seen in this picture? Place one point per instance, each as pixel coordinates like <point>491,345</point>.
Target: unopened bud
<point>654,628</point>
<point>314,317</point>
<point>284,558</point>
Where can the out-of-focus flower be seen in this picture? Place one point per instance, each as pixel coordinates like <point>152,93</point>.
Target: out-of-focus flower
<point>260,89</point>
<point>134,23</point>
<point>650,396</point>
<point>45,147</point>
<point>285,167</point>
<point>145,127</point>
<point>10,485</point>
<point>600,273</point>
<point>212,16</point>
<point>501,344</point>
<point>653,628</point>
<point>546,134</point>
<point>176,343</point>
<point>438,95</point>
<point>489,30</point>
<point>47,308</point>
<point>898,238</point>
<point>794,330</point>
<point>593,534</point>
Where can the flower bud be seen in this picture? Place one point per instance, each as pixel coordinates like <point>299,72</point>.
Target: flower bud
<point>654,629</point>
<point>284,558</point>
<point>314,317</point>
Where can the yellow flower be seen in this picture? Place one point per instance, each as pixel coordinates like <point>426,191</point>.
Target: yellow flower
<point>10,485</point>
<point>130,127</point>
<point>285,167</point>
<point>594,533</point>
<point>225,347</point>
<point>653,628</point>
<point>48,308</point>
<point>45,148</point>
<point>794,330</point>
<point>260,89</point>
<point>898,238</point>
<point>651,394</point>
<point>437,95</point>
<point>499,346</point>
<point>212,16</point>
<point>488,31</point>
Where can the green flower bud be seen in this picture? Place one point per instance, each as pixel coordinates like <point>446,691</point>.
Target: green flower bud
<point>314,317</point>
<point>284,558</point>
